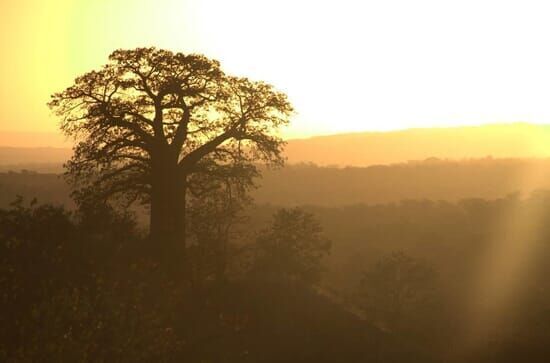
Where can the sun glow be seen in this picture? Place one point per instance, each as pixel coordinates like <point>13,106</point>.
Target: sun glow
<point>503,274</point>
<point>346,65</point>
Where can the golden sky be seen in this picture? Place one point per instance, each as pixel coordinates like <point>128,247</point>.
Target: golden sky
<point>347,65</point>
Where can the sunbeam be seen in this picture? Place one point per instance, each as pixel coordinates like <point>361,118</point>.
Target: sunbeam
<point>503,270</point>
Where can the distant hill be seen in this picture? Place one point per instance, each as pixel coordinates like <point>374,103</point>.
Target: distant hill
<point>35,158</point>
<point>33,139</point>
<point>517,140</point>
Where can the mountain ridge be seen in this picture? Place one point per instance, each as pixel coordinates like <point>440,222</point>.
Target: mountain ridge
<point>511,140</point>
<point>514,140</point>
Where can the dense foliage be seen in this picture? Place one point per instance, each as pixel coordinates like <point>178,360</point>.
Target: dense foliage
<point>417,276</point>
<point>86,286</point>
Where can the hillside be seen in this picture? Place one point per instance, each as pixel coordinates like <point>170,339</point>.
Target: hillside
<point>518,140</point>
<point>33,157</point>
<point>33,139</point>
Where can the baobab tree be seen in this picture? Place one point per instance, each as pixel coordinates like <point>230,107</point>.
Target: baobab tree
<point>151,120</point>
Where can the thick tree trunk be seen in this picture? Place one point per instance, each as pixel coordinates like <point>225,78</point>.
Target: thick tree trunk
<point>162,228</point>
<point>167,219</point>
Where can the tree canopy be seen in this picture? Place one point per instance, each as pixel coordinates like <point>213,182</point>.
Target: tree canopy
<point>150,120</point>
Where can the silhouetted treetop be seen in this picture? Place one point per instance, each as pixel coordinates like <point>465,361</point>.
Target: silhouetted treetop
<point>150,118</point>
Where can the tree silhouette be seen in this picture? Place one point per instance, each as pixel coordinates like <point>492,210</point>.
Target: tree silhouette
<point>399,288</point>
<point>291,249</point>
<point>212,216</point>
<point>151,119</point>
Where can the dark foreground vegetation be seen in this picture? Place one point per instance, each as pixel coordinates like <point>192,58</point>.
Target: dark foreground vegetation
<point>398,283</point>
<point>423,270</point>
<point>86,286</point>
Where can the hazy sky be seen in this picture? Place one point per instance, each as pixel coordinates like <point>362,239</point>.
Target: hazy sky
<point>346,65</point>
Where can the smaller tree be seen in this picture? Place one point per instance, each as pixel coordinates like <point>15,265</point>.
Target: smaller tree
<point>291,249</point>
<point>215,207</point>
<point>398,290</point>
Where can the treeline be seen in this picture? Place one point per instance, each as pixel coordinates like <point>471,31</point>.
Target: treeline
<point>432,179</point>
<point>304,184</point>
<point>45,187</point>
